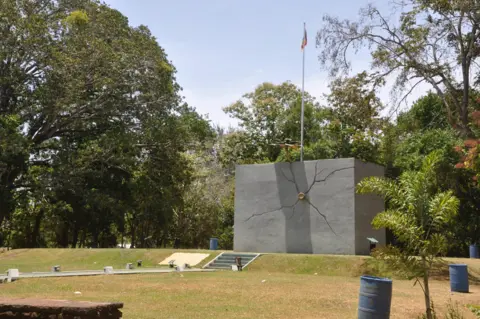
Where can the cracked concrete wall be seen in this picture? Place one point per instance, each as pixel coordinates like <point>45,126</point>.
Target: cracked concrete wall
<point>270,217</point>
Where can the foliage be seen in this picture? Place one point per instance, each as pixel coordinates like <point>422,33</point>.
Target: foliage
<point>412,148</point>
<point>207,209</point>
<point>453,312</point>
<point>98,148</point>
<point>420,131</point>
<point>475,310</point>
<point>427,113</point>
<point>429,43</point>
<point>355,122</point>
<point>270,115</point>
<point>419,216</point>
<point>93,131</point>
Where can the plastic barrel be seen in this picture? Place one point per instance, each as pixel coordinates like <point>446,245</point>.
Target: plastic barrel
<point>375,298</point>
<point>213,243</point>
<point>458,278</point>
<point>474,251</point>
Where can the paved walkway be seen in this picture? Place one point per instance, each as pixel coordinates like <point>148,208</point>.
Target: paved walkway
<point>101,272</point>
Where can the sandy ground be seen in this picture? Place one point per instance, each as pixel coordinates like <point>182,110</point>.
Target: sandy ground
<point>237,295</point>
<point>185,258</point>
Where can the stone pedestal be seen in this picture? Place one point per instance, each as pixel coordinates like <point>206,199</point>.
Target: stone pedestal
<point>56,309</point>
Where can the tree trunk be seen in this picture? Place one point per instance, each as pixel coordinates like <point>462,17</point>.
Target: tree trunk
<point>95,236</point>
<point>4,205</point>
<point>65,231</point>
<point>75,237</point>
<point>82,239</point>
<point>465,98</point>
<point>132,244</point>
<point>7,186</point>
<point>428,303</point>
<point>36,229</point>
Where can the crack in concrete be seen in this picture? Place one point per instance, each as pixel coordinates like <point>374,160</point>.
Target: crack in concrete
<point>293,209</point>
<point>270,211</point>
<point>307,199</point>
<point>323,215</point>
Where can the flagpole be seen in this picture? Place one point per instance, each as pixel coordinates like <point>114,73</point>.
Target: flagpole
<point>303,93</point>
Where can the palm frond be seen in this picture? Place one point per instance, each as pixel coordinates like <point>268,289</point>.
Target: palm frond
<point>379,186</point>
<point>429,168</point>
<point>443,207</point>
<point>413,188</point>
<point>404,226</point>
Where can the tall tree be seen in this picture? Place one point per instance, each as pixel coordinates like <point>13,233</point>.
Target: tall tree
<point>266,116</point>
<point>355,125</point>
<point>432,42</point>
<point>88,104</point>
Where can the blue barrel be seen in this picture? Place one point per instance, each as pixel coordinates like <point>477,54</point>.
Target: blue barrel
<point>474,251</point>
<point>375,298</point>
<point>213,243</point>
<point>458,277</point>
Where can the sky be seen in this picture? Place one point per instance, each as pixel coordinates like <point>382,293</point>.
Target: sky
<point>223,49</point>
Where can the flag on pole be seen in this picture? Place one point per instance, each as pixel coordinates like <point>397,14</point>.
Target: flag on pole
<point>304,41</point>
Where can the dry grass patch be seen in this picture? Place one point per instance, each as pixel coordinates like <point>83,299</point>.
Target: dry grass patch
<point>235,295</point>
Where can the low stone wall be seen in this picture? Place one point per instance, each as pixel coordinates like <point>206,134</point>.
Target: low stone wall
<point>58,309</point>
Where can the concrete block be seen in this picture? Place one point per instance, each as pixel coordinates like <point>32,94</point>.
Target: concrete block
<point>13,274</point>
<point>108,270</point>
<point>308,207</point>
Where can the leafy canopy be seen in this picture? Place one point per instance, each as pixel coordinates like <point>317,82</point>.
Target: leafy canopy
<point>419,215</point>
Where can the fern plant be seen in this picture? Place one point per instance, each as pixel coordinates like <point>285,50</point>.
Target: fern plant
<point>419,215</point>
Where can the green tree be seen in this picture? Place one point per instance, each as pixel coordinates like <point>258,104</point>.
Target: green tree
<point>424,129</point>
<point>419,215</point>
<point>89,115</point>
<point>269,115</point>
<point>238,147</point>
<point>412,147</point>
<point>355,125</point>
<point>430,43</point>
<point>207,207</point>
<point>428,112</point>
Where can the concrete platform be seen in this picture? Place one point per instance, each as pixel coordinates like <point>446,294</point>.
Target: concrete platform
<point>100,272</point>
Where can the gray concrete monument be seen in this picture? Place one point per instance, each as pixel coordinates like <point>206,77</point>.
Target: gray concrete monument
<point>308,207</point>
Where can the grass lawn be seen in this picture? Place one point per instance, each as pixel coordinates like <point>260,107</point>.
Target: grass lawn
<point>27,260</point>
<point>291,288</point>
<point>234,295</point>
